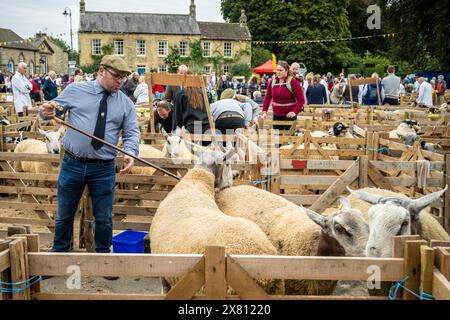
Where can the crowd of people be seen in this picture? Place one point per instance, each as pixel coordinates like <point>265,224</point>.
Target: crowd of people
<point>236,103</point>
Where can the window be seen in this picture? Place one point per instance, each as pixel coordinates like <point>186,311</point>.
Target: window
<point>162,48</point>
<point>141,47</point>
<point>21,58</point>
<point>228,50</point>
<point>162,68</point>
<point>96,47</point>
<point>118,47</point>
<point>207,49</point>
<point>31,67</point>
<point>207,69</point>
<point>226,68</point>
<point>184,48</point>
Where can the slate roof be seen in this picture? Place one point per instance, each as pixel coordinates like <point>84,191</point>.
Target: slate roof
<point>38,41</point>
<point>147,23</point>
<point>223,31</point>
<point>7,35</point>
<point>151,23</point>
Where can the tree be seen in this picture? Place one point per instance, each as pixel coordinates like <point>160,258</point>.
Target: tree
<point>259,56</point>
<point>274,20</point>
<point>63,45</point>
<point>424,31</point>
<point>240,69</point>
<point>173,59</point>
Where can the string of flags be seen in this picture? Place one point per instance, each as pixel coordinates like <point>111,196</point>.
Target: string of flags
<point>386,35</point>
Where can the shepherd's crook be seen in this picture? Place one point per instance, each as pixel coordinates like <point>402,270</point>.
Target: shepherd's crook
<point>116,148</point>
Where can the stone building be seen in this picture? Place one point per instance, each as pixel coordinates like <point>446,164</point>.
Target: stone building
<point>40,54</point>
<point>144,40</point>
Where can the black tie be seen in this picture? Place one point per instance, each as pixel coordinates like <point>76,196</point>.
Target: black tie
<point>99,131</point>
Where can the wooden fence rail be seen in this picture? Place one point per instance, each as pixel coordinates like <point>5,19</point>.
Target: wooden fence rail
<point>215,271</point>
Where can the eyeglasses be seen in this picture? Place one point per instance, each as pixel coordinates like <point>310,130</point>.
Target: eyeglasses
<point>117,76</point>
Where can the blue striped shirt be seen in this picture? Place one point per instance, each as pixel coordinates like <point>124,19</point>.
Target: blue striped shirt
<point>82,100</point>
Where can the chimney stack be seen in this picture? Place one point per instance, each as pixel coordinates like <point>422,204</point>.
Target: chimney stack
<point>82,7</point>
<point>192,10</point>
<point>243,19</point>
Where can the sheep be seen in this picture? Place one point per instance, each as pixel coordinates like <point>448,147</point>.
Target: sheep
<point>188,219</point>
<point>295,231</point>
<point>175,147</point>
<point>51,145</point>
<point>146,151</point>
<point>390,214</point>
<point>406,130</point>
<point>433,147</point>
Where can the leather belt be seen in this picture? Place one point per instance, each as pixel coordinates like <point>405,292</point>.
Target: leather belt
<point>225,116</point>
<point>85,160</point>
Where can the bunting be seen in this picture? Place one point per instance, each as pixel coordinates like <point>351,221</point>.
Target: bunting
<point>302,42</point>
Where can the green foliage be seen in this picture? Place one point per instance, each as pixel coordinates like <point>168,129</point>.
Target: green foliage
<point>259,56</point>
<point>240,69</point>
<point>273,20</point>
<point>173,59</point>
<point>423,27</point>
<point>96,59</point>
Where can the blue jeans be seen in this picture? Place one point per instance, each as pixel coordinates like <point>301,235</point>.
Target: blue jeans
<point>101,179</point>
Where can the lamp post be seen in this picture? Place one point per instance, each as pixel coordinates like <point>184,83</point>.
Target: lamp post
<point>68,12</point>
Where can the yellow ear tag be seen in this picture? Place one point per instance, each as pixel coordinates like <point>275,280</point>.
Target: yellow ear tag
<point>194,149</point>
<point>340,206</point>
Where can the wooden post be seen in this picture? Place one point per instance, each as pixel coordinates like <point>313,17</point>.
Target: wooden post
<point>446,212</point>
<point>5,275</point>
<point>336,189</point>
<point>19,267</point>
<point>363,172</point>
<point>151,101</point>
<point>215,277</point>
<point>190,284</point>
<point>412,268</point>
<point>208,108</point>
<point>426,269</point>
<point>87,223</point>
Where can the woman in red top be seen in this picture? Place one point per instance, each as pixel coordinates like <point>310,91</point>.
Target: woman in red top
<point>35,92</point>
<point>286,96</point>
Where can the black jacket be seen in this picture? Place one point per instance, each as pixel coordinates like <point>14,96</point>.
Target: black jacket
<point>185,115</point>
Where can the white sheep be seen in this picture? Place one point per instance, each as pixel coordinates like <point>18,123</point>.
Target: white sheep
<point>175,146</point>
<point>147,151</point>
<point>51,145</point>
<point>295,231</point>
<point>188,219</point>
<point>391,214</point>
<point>407,130</point>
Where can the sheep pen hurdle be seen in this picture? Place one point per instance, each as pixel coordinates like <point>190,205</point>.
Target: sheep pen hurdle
<point>136,197</point>
<point>427,267</point>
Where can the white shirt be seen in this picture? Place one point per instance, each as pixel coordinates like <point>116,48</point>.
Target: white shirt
<point>402,89</point>
<point>325,84</point>
<point>141,93</point>
<point>425,94</point>
<point>21,91</point>
<point>305,88</point>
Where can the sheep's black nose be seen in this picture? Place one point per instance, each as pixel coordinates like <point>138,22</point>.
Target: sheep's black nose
<point>56,151</point>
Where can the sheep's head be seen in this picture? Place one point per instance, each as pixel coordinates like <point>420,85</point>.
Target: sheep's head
<point>338,129</point>
<point>392,216</point>
<point>217,160</point>
<point>52,140</point>
<point>346,226</point>
<point>173,142</point>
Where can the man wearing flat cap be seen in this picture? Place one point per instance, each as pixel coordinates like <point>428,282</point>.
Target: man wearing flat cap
<point>101,109</point>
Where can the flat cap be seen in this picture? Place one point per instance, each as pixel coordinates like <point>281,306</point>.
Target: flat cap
<point>115,63</point>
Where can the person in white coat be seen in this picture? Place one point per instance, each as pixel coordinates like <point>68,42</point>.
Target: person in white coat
<point>141,92</point>
<point>425,93</point>
<point>21,88</point>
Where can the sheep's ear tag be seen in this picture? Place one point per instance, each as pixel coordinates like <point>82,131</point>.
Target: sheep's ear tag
<point>340,206</point>
<point>194,149</point>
